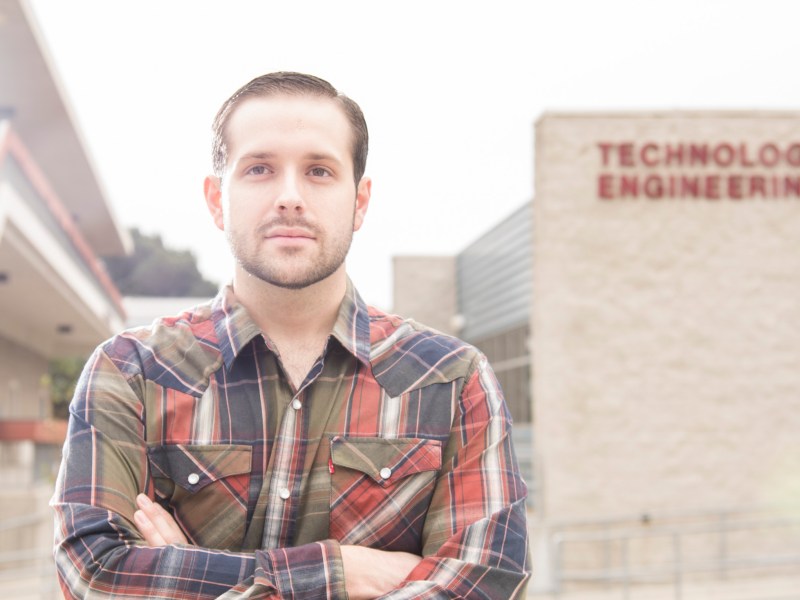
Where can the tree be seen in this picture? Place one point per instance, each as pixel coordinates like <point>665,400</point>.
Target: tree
<point>154,270</point>
<point>61,379</point>
<point>151,270</point>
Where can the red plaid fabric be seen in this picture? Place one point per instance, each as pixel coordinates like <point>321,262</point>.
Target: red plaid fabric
<point>398,439</point>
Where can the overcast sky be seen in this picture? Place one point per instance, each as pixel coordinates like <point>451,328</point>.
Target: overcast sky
<point>450,89</point>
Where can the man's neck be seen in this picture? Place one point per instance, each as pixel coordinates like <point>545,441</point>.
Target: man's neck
<point>285,314</point>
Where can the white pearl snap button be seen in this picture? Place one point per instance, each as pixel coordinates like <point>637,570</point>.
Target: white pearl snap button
<point>386,472</point>
<point>284,493</point>
<point>296,404</point>
<point>193,478</point>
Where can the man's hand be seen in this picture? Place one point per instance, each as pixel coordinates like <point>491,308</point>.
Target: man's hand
<point>156,525</point>
<point>369,573</point>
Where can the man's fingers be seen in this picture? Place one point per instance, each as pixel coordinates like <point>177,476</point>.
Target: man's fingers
<point>369,573</point>
<point>148,530</point>
<point>161,528</point>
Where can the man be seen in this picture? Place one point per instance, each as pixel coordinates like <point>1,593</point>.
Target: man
<point>285,440</point>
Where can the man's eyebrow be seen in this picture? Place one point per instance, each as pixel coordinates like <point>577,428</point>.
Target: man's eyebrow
<point>322,156</point>
<point>257,155</point>
<point>309,156</point>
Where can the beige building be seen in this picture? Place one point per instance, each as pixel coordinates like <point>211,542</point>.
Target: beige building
<point>666,334</point>
<point>664,330</point>
<point>55,298</point>
<point>666,318</point>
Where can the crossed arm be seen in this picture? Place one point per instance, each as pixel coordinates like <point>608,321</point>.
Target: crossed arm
<point>368,573</point>
<point>474,542</point>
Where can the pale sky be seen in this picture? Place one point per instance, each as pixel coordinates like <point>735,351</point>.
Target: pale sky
<point>450,89</point>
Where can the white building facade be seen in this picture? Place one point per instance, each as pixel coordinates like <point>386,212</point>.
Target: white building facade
<point>55,297</point>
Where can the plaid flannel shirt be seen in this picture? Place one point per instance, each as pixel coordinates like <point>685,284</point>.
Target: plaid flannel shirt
<point>398,439</point>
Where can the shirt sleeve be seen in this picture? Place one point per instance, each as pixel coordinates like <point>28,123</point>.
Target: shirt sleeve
<point>475,540</point>
<point>99,552</point>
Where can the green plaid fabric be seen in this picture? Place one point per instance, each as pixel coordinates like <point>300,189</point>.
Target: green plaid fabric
<point>398,439</point>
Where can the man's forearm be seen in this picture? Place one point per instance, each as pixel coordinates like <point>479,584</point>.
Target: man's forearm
<point>368,573</point>
<point>97,554</point>
<point>488,559</point>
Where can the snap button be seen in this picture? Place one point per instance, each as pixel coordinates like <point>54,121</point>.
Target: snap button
<point>284,493</point>
<point>296,404</point>
<point>193,478</point>
<point>386,472</point>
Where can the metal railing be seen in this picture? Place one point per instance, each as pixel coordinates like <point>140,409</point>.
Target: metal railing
<point>26,570</point>
<point>669,554</point>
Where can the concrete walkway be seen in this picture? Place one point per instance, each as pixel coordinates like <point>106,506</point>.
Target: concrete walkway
<point>758,587</point>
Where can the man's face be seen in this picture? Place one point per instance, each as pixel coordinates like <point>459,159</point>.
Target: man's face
<point>287,201</point>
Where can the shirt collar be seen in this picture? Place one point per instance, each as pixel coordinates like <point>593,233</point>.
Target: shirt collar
<point>235,329</point>
<point>233,325</point>
<point>351,328</point>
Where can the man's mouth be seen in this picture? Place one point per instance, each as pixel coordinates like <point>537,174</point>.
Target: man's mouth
<point>289,232</point>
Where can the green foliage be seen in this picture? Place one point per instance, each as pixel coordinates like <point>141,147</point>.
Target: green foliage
<point>61,380</point>
<point>153,270</point>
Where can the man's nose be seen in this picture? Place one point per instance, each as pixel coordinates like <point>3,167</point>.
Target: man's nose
<point>289,195</point>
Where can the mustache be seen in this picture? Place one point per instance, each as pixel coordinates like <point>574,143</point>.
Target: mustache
<point>299,222</point>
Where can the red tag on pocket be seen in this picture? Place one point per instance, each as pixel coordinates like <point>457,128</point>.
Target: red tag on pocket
<point>330,466</point>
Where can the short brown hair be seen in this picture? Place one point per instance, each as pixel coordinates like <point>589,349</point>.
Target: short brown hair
<point>285,82</point>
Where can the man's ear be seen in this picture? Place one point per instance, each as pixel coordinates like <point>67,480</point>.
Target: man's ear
<point>212,187</point>
<point>363,192</point>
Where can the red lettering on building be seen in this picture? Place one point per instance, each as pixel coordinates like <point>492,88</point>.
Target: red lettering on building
<point>722,169</point>
<point>698,155</point>
<point>605,188</point>
<point>712,187</point>
<point>724,155</point>
<point>792,186</point>
<point>757,186</point>
<point>653,187</point>
<point>769,155</point>
<point>649,154</point>
<point>735,187</point>
<point>673,154</point>
<point>690,186</point>
<point>605,149</point>
<point>628,187</point>
<point>626,155</point>
<point>793,155</point>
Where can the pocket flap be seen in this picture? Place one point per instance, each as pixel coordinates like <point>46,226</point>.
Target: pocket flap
<point>193,467</point>
<point>386,460</point>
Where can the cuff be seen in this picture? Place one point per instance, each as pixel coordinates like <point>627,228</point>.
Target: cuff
<point>311,572</point>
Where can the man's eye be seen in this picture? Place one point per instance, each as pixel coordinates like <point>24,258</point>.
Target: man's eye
<point>320,172</point>
<point>257,170</point>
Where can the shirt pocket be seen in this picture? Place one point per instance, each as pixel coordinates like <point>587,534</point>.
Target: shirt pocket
<point>206,488</point>
<point>381,490</point>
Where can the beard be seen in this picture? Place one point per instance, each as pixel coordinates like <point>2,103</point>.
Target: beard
<point>290,269</point>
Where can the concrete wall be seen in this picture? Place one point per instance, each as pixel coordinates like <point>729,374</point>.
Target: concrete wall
<point>667,325</point>
<point>21,393</point>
